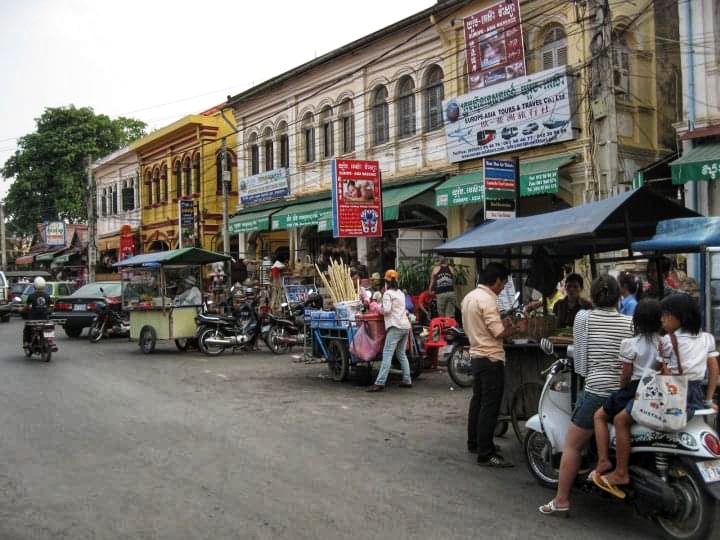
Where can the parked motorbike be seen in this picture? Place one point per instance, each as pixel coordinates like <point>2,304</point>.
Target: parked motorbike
<point>219,332</point>
<point>289,329</point>
<point>674,476</point>
<point>41,340</point>
<point>107,322</point>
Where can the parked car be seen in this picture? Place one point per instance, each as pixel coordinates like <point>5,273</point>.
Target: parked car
<point>78,309</point>
<point>4,298</point>
<point>54,288</point>
<point>16,292</point>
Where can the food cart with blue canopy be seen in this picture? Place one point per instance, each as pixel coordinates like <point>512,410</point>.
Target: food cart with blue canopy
<point>162,293</point>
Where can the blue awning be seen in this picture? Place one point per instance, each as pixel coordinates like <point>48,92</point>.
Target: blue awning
<point>683,235</point>
<point>607,225</point>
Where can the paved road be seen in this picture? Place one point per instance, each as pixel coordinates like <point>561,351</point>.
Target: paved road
<point>104,442</point>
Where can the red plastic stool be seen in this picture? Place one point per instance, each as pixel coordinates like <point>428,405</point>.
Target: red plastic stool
<point>436,336</point>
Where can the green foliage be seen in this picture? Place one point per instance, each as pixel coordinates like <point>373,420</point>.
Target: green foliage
<point>49,166</point>
<point>415,274</point>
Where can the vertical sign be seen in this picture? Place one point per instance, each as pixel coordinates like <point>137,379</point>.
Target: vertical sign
<point>500,187</point>
<point>127,242</point>
<point>187,223</point>
<point>356,198</point>
<point>494,45</point>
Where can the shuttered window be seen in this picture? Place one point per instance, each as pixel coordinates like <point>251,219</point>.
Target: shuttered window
<point>554,48</point>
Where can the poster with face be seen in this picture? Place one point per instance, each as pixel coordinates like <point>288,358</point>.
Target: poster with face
<point>356,198</point>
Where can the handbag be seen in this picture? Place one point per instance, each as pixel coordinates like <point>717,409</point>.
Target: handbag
<point>661,400</point>
<point>364,345</point>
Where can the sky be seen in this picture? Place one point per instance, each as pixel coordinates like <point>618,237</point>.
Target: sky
<point>159,60</point>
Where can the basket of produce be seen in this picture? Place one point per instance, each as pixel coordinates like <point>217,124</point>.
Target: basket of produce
<point>540,326</point>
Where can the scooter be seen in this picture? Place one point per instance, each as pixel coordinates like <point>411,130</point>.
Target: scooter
<point>219,332</point>
<point>107,322</point>
<point>674,476</point>
<point>290,329</point>
<point>41,340</point>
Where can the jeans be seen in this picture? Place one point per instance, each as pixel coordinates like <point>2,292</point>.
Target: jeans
<point>395,342</point>
<point>485,405</point>
<point>446,304</point>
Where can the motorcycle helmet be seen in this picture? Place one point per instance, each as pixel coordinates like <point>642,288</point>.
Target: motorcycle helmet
<point>39,283</point>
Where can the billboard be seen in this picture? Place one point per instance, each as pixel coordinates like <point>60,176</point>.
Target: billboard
<point>55,233</point>
<point>494,49</point>
<point>356,198</point>
<point>522,113</point>
<point>266,186</point>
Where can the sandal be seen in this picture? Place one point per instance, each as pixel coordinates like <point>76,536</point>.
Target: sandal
<point>601,482</point>
<point>550,508</point>
<point>376,388</point>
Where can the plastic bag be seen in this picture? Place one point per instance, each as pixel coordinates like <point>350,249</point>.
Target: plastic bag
<point>366,346</point>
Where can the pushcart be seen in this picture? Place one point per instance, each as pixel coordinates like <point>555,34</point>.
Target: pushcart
<point>161,291</point>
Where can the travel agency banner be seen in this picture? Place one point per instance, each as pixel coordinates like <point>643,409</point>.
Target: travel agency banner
<point>356,198</point>
<point>494,49</point>
<point>522,113</point>
<point>266,186</point>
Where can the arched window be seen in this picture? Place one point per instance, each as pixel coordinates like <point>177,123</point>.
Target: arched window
<point>254,154</point>
<point>621,63</point>
<point>148,188</point>
<point>433,97</point>
<point>187,173</point>
<point>156,185</point>
<point>284,145</point>
<point>177,173</point>
<point>347,123</point>
<point>328,134</point>
<point>218,170</point>
<point>196,172</point>
<point>406,107</point>
<point>308,130</point>
<point>164,181</point>
<point>268,147</point>
<point>114,200</point>
<point>554,47</point>
<point>103,203</point>
<point>381,131</point>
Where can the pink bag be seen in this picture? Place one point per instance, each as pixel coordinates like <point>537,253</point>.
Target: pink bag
<point>364,345</point>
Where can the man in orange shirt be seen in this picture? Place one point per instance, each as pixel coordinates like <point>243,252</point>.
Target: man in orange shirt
<point>486,330</point>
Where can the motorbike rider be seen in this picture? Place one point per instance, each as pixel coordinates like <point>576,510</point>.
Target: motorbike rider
<point>40,303</point>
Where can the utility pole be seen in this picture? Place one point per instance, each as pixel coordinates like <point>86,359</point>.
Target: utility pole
<point>225,190</point>
<point>2,236</point>
<point>91,223</point>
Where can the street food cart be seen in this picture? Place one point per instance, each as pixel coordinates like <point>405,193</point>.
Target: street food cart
<point>546,241</point>
<point>162,293</point>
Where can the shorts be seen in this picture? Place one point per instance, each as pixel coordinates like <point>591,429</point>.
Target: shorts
<point>585,408</point>
<point>619,399</point>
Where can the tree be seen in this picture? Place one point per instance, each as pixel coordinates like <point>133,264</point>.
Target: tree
<point>49,165</point>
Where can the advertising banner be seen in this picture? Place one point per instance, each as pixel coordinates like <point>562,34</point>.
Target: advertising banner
<point>264,187</point>
<point>500,183</point>
<point>526,112</point>
<point>356,198</point>
<point>127,242</point>
<point>187,223</point>
<point>55,233</point>
<point>494,45</point>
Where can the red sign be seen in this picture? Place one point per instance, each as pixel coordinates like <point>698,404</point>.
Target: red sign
<point>357,198</point>
<point>127,242</point>
<point>494,45</point>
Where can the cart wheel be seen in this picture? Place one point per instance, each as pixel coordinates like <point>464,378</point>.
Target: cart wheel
<point>338,361</point>
<point>182,344</point>
<point>524,404</point>
<point>147,340</point>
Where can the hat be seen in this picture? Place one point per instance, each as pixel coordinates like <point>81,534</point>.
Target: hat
<point>190,280</point>
<point>391,274</point>
<point>375,276</point>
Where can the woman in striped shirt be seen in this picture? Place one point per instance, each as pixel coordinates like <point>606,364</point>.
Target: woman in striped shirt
<point>597,336</point>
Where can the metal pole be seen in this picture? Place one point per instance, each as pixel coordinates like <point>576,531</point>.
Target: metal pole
<point>225,189</point>
<point>2,236</point>
<point>91,223</point>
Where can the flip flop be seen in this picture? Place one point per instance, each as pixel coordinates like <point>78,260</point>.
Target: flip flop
<point>602,482</point>
<point>550,508</point>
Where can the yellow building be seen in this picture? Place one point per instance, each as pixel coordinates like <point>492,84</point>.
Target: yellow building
<point>182,164</point>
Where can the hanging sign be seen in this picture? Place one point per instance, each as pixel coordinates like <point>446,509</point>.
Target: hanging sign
<point>55,233</point>
<point>356,198</point>
<point>494,45</point>
<point>127,242</point>
<point>529,111</point>
<point>187,223</point>
<point>500,184</point>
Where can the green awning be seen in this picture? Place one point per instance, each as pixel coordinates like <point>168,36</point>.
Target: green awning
<point>304,214</point>
<point>250,222</point>
<point>393,198</point>
<point>701,162</point>
<point>460,189</point>
<point>61,259</point>
<point>542,177</point>
<point>44,257</point>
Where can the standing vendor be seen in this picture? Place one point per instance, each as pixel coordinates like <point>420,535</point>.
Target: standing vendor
<point>566,309</point>
<point>442,283</point>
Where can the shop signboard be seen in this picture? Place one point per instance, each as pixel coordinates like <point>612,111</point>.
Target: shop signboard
<point>494,45</point>
<point>55,233</point>
<point>500,185</point>
<point>356,198</point>
<point>187,222</point>
<point>127,242</point>
<point>266,186</point>
<point>522,113</point>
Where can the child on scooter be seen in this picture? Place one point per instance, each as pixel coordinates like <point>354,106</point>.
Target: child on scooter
<point>680,318</point>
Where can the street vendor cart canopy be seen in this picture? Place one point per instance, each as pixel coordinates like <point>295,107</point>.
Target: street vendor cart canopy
<point>189,255</point>
<point>602,226</point>
<point>682,236</point>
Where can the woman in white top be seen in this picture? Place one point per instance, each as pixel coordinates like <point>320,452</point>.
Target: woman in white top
<point>397,330</point>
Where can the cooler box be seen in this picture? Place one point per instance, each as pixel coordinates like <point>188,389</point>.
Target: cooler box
<point>322,319</point>
<point>347,311</point>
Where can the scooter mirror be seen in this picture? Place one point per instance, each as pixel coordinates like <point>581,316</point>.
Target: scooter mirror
<point>547,346</point>
<point>284,305</point>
